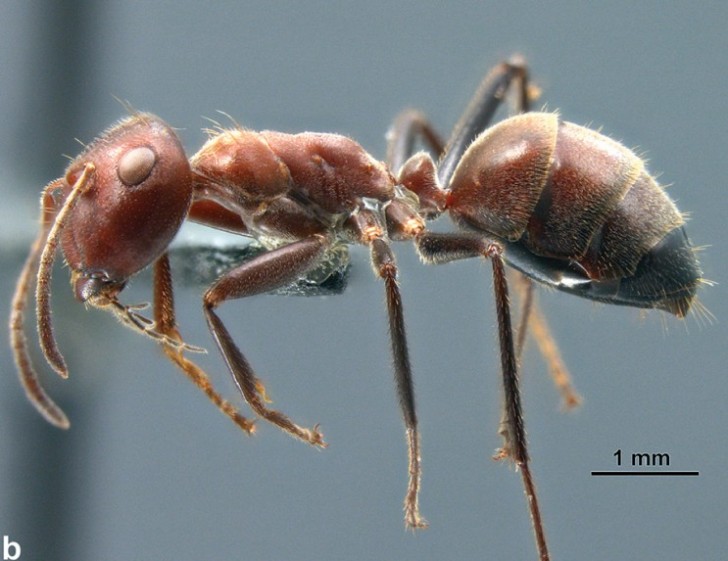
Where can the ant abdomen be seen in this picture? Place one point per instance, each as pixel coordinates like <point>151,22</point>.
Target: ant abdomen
<point>575,197</point>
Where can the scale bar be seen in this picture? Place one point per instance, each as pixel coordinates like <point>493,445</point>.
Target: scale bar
<point>647,473</point>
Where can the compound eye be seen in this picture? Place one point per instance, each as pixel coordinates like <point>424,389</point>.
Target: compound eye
<point>136,165</point>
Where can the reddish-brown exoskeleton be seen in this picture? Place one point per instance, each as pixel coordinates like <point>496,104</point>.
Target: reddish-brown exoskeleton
<point>563,205</point>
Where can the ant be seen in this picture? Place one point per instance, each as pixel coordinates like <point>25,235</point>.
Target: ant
<point>561,204</point>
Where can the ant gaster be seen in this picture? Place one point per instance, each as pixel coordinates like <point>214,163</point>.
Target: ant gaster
<point>561,204</point>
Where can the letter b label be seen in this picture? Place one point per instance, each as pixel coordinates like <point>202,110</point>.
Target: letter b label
<point>11,550</point>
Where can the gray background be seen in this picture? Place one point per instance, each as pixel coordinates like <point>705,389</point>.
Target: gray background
<point>150,470</point>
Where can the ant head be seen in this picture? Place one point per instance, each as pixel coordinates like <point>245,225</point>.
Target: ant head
<point>134,203</point>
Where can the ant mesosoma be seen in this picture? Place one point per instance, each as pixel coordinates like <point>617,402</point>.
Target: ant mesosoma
<point>561,204</point>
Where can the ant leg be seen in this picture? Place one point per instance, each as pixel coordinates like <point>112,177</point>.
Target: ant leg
<point>515,429</point>
<point>525,290</point>
<point>409,126</point>
<point>441,248</point>
<point>386,267</point>
<point>479,113</point>
<point>18,341</point>
<point>532,315</point>
<point>166,324</point>
<point>364,226</point>
<point>269,271</point>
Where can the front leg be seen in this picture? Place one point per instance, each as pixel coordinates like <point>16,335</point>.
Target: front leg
<point>267,272</point>
<point>166,324</point>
